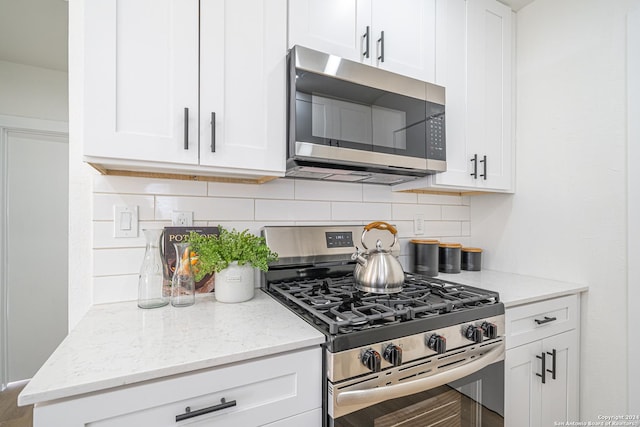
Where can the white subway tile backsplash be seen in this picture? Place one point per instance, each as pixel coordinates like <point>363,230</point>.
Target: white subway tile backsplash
<point>135,185</point>
<point>455,213</point>
<point>383,193</point>
<point>103,235</point>
<point>103,206</point>
<point>439,229</point>
<point>276,189</point>
<point>347,211</point>
<point>288,210</point>
<point>116,262</point>
<point>440,199</point>
<point>115,288</point>
<point>465,228</point>
<point>205,208</point>
<point>408,212</point>
<point>405,229</point>
<point>110,262</point>
<point>321,190</point>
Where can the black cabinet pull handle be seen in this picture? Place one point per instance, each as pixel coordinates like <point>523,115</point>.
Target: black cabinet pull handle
<point>546,319</point>
<point>186,128</point>
<point>366,44</point>
<point>213,132</point>
<point>543,357</point>
<point>553,363</point>
<point>191,414</point>
<point>474,159</point>
<point>484,162</point>
<point>381,41</point>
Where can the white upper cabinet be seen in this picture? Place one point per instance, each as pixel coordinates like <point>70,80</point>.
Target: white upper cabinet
<point>398,36</point>
<point>141,73</point>
<point>154,81</point>
<point>474,63</point>
<point>243,83</point>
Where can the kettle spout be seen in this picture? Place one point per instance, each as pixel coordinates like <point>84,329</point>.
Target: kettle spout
<point>357,256</point>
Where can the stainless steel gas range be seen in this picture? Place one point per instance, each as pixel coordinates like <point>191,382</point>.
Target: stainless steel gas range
<point>431,354</point>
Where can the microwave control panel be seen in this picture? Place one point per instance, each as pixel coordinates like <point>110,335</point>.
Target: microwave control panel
<point>436,137</point>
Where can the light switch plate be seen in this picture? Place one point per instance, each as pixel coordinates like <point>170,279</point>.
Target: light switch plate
<point>418,224</point>
<point>125,221</point>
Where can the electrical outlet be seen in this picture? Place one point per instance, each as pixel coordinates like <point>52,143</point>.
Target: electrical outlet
<point>418,224</point>
<point>182,218</point>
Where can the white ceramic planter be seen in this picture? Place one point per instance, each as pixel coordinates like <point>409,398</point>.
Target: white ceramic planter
<point>235,283</point>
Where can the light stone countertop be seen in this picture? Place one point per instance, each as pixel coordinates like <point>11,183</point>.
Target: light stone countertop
<point>515,289</point>
<point>118,344</point>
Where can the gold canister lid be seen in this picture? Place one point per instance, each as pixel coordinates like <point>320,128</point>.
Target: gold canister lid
<point>471,250</point>
<point>425,241</point>
<point>451,245</point>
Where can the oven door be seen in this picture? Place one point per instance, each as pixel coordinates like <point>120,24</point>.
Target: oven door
<point>469,394</point>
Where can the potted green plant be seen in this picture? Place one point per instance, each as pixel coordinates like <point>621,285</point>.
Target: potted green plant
<point>232,255</point>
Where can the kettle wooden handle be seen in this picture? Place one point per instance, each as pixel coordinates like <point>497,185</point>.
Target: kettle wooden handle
<point>381,225</point>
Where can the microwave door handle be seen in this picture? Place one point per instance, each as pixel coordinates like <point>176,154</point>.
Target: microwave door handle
<point>380,394</point>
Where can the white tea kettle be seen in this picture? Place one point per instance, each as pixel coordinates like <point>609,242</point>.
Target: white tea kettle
<point>377,270</point>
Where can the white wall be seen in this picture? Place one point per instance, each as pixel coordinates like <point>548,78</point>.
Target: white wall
<point>567,220</point>
<point>633,192</point>
<point>116,262</point>
<point>35,92</point>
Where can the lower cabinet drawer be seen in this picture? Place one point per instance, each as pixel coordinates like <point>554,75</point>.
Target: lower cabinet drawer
<point>255,393</point>
<point>535,321</point>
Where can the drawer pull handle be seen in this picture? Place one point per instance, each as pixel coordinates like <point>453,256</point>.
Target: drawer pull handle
<point>553,364</point>
<point>546,319</point>
<point>191,414</point>
<point>543,371</point>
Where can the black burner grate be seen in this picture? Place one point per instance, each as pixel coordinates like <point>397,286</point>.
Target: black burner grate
<point>340,308</point>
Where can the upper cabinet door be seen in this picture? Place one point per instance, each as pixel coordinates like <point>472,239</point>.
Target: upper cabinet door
<point>408,45</point>
<point>337,27</point>
<point>474,62</point>
<point>243,84</point>
<point>353,29</point>
<point>489,46</point>
<point>141,76</point>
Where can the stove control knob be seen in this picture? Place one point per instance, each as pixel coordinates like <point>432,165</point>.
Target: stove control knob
<point>393,354</point>
<point>437,343</point>
<point>490,330</point>
<point>371,359</point>
<point>474,333</point>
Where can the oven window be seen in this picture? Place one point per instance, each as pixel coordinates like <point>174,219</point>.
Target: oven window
<point>474,401</point>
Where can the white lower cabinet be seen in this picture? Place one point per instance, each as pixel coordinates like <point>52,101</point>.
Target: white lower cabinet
<point>283,390</point>
<point>542,363</point>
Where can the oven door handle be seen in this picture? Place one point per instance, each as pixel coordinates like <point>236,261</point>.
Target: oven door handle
<point>380,394</point>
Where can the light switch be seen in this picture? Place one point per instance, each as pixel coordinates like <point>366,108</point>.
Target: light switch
<point>125,221</point>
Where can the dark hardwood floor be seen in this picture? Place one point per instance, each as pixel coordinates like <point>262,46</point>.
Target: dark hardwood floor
<point>12,415</point>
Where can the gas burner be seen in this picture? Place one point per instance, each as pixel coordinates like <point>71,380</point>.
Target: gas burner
<point>335,303</point>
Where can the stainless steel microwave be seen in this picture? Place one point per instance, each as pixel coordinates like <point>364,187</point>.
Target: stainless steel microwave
<point>353,122</point>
